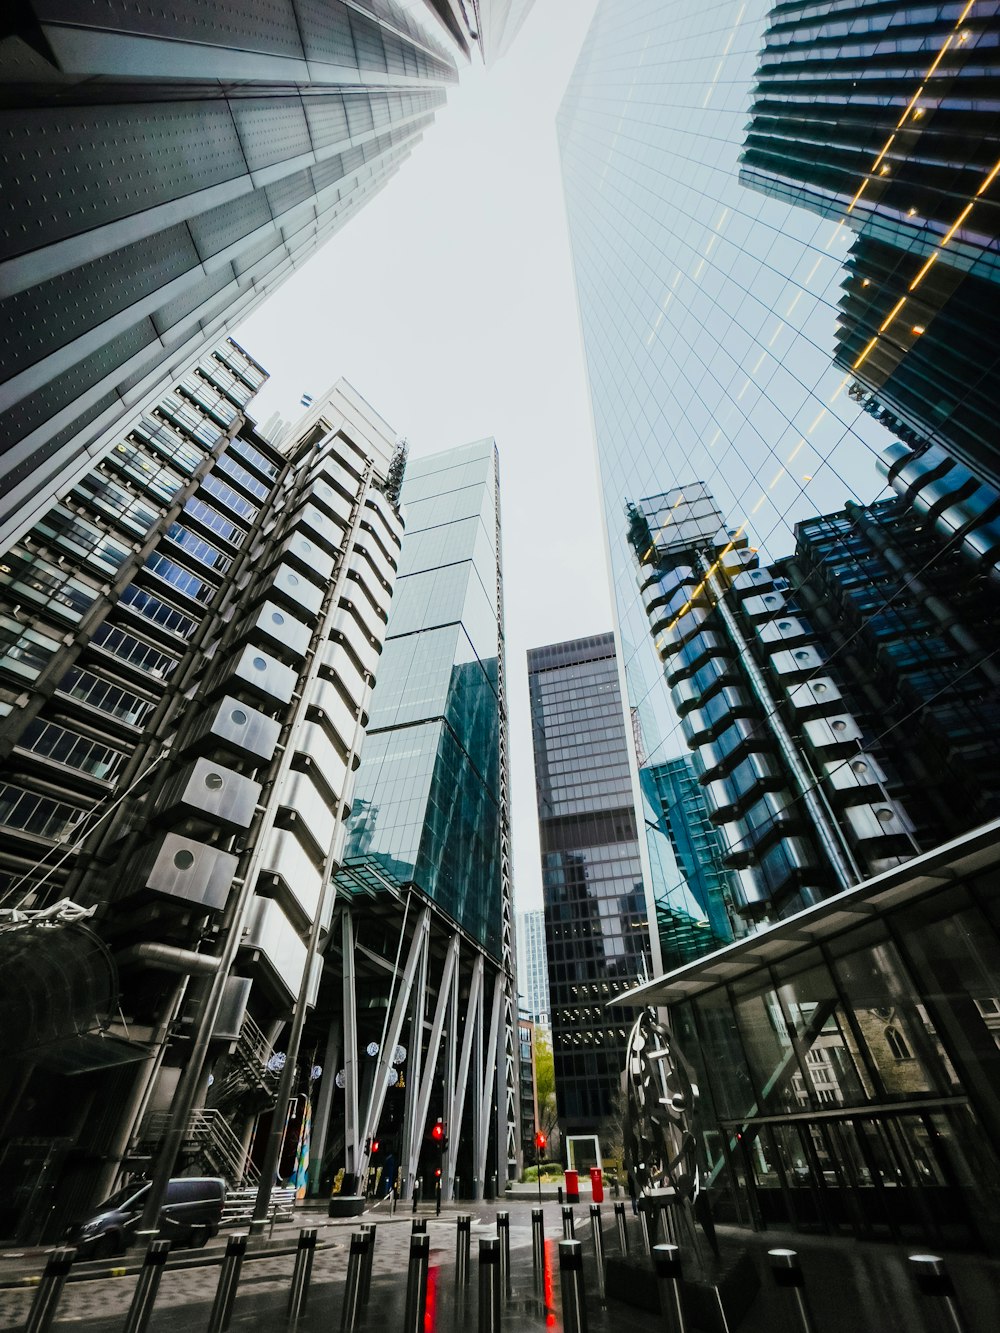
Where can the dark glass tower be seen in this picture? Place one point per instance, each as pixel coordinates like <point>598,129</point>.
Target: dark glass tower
<point>883,119</point>
<point>597,920</point>
<point>164,169</point>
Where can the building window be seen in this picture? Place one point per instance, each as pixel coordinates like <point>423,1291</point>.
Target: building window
<point>897,1044</point>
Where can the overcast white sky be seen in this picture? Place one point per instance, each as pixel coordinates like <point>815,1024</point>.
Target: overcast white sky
<point>448,303</point>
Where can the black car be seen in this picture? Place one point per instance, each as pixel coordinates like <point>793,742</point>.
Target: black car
<point>191,1214</point>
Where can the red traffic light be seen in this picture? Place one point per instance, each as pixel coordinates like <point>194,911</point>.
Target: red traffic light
<point>540,1140</point>
<point>437,1133</point>
<point>374,1145</point>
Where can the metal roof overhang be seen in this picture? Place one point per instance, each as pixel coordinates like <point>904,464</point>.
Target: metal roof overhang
<point>970,854</point>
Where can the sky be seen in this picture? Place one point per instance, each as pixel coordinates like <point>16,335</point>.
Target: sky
<point>449,304</point>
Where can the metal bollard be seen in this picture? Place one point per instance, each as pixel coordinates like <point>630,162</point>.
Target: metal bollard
<point>569,1224</point>
<point>538,1243</point>
<point>503,1233</point>
<point>416,1283</point>
<point>571,1280</point>
<point>787,1272</point>
<point>932,1279</point>
<point>418,1227</point>
<point>352,1288</point>
<point>667,1266</point>
<point>416,1194</point>
<point>463,1237</point>
<point>368,1231</point>
<point>229,1278</point>
<point>437,1197</point>
<point>647,1238</point>
<point>301,1273</point>
<point>622,1228</point>
<point>597,1235</point>
<point>43,1307</point>
<point>560,1195</point>
<point>489,1285</point>
<point>147,1286</point>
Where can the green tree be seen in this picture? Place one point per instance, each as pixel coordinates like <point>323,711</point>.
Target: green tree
<point>545,1086</point>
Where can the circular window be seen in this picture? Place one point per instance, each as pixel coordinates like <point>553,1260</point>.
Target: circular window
<point>784,626</point>
<point>884,816</point>
<point>860,767</point>
<point>770,599</point>
<point>260,664</point>
<point>183,860</point>
<point>839,724</point>
<point>214,781</point>
<point>293,580</point>
<point>304,545</point>
<point>802,655</point>
<point>277,618</point>
<point>820,688</point>
<point>239,717</point>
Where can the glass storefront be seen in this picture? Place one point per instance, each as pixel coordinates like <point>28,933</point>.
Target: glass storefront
<point>853,1086</point>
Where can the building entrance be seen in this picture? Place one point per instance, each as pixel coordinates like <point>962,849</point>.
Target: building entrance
<point>900,1173</point>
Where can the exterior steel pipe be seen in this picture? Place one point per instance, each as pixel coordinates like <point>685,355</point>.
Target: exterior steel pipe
<point>667,1266</point>
<point>597,1235</point>
<point>644,1223</point>
<point>43,1307</point>
<point>503,1234</point>
<point>352,1288</point>
<point>538,1243</point>
<point>622,1228</point>
<point>416,1283</point>
<point>169,958</point>
<point>489,1285</point>
<point>463,1236</point>
<point>143,1298</point>
<point>932,1280</point>
<point>569,1223</point>
<point>301,1273</point>
<point>787,1272</point>
<point>571,1280</point>
<point>229,1280</point>
<point>368,1231</point>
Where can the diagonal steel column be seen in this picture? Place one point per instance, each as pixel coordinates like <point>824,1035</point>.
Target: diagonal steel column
<point>377,1099</point>
<point>450,1079</point>
<point>413,1077</point>
<point>433,1048</point>
<point>486,1090</point>
<point>472,1013</point>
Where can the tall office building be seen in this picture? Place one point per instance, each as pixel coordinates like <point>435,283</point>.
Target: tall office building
<point>597,910</point>
<point>532,966</point>
<point>164,171</point>
<point>842,706</point>
<point>912,177</point>
<point>427,871</point>
<point>841,702</point>
<point>189,633</point>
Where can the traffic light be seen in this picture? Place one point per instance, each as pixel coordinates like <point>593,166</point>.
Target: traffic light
<point>437,1133</point>
<point>540,1140</point>
<point>374,1145</point>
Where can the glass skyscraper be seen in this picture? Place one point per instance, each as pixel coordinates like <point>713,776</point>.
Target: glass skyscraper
<point>429,821</point>
<point>163,170</point>
<point>597,916</point>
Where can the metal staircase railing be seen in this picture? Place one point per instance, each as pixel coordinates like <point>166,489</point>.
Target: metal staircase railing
<point>248,1071</point>
<point>210,1137</point>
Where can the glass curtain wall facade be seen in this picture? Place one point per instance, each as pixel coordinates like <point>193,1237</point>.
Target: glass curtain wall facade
<point>164,170</point>
<point>597,921</point>
<point>429,833</point>
<point>532,966</point>
<point>883,118</point>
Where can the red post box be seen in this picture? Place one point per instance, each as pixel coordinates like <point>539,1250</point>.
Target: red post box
<point>597,1184</point>
<point>572,1187</point>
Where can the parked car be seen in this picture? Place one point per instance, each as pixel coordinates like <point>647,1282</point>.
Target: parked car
<point>191,1214</point>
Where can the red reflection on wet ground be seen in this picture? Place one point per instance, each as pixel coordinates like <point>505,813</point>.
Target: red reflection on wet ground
<point>550,1314</point>
<point>430,1309</point>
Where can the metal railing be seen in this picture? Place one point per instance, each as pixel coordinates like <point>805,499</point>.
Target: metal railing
<point>210,1136</point>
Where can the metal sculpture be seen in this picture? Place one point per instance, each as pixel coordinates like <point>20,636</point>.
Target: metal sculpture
<point>660,1129</point>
